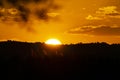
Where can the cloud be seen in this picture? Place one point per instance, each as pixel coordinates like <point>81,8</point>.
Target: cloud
<point>105,13</point>
<point>90,17</point>
<point>96,30</point>
<point>107,10</point>
<point>23,10</point>
<point>103,19</point>
<point>40,8</point>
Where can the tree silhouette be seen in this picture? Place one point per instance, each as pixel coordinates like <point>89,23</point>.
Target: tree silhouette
<point>22,60</point>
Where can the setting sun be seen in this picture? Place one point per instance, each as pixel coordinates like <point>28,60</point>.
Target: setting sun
<point>53,42</point>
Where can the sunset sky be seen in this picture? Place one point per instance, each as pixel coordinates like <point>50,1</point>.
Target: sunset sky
<point>70,21</point>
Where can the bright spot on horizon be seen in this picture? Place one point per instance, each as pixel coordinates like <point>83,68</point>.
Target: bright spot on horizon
<point>53,42</point>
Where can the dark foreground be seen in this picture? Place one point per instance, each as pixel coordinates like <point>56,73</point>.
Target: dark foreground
<point>37,61</point>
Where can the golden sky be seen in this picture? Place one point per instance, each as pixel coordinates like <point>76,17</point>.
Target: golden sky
<point>70,21</point>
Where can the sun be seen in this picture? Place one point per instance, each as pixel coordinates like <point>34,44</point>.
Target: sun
<point>53,42</point>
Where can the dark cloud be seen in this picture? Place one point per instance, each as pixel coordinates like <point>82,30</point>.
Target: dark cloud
<point>42,14</point>
<point>1,3</point>
<point>23,9</point>
<point>24,13</point>
<point>23,2</point>
<point>113,14</point>
<point>99,31</point>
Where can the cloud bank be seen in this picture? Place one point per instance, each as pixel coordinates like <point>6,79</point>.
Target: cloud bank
<point>96,30</point>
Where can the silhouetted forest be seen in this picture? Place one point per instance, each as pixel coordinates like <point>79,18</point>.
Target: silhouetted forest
<point>22,60</point>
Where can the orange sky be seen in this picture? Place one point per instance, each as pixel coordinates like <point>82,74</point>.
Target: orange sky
<point>70,21</point>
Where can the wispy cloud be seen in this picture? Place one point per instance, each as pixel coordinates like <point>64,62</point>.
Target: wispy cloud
<point>107,10</point>
<point>105,13</point>
<point>90,17</point>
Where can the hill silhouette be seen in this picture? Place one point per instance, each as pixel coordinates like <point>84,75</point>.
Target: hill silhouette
<point>22,60</point>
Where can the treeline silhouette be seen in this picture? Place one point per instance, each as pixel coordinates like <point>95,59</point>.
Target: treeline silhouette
<point>22,60</point>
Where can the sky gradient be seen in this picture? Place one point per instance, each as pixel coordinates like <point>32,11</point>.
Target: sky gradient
<point>70,21</point>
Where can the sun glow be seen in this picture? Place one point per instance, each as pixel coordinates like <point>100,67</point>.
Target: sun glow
<point>53,42</point>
